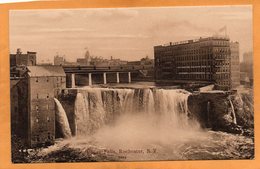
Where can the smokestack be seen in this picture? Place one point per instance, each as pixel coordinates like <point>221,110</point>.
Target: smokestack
<point>19,51</point>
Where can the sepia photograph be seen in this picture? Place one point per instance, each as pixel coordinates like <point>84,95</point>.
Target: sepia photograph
<point>131,84</point>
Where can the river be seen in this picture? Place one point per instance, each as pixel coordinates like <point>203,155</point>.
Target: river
<point>140,122</point>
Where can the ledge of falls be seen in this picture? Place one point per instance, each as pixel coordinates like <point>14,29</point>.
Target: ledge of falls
<point>217,110</point>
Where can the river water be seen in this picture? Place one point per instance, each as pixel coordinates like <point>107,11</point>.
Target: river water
<point>137,123</point>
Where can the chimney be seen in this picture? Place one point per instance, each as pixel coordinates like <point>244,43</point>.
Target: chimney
<point>19,51</point>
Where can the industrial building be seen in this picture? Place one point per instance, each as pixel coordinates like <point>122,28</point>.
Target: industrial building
<point>33,108</point>
<point>199,60</point>
<point>20,59</point>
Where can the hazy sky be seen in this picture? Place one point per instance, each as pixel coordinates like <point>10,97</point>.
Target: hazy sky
<point>126,33</point>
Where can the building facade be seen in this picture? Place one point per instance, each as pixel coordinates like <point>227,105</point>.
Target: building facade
<point>20,59</point>
<point>59,60</point>
<point>235,64</point>
<point>33,109</point>
<point>84,61</point>
<point>247,66</point>
<point>199,60</point>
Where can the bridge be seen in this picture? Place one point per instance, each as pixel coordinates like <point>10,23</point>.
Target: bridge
<point>89,75</point>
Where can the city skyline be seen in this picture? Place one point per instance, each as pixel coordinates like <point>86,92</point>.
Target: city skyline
<point>125,33</point>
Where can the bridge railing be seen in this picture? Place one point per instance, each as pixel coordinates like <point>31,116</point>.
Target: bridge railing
<point>108,68</point>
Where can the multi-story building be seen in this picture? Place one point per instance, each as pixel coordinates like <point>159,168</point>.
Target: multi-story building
<point>33,107</point>
<point>20,59</point>
<point>247,66</point>
<point>235,64</point>
<point>199,60</point>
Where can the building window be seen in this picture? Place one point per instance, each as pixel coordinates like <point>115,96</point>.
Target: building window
<point>47,95</point>
<point>48,119</point>
<point>37,108</point>
<point>47,79</point>
<point>37,79</point>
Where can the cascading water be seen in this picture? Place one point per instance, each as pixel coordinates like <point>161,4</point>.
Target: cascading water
<point>114,124</point>
<point>96,107</point>
<point>62,119</point>
<point>233,112</point>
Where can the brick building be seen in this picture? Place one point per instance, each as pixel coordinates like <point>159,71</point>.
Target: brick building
<point>33,108</point>
<point>200,60</point>
<point>20,59</point>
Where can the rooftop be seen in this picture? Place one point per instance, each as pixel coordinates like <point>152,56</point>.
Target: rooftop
<point>194,40</point>
<point>46,70</point>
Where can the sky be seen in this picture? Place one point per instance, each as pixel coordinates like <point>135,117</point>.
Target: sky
<point>125,33</point>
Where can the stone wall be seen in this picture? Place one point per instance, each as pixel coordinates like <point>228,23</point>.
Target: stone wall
<point>213,110</point>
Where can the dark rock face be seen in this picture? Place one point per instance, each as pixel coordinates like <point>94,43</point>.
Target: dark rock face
<point>243,105</point>
<point>214,110</point>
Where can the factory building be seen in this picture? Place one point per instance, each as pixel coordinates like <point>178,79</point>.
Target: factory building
<point>20,59</point>
<point>200,60</point>
<point>33,107</point>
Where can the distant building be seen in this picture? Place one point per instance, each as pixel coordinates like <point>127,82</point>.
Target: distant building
<point>247,65</point>
<point>147,61</point>
<point>244,79</point>
<point>248,57</point>
<point>134,63</point>
<point>116,62</point>
<point>20,59</point>
<point>235,64</point>
<point>59,60</point>
<point>100,61</point>
<point>200,60</point>
<point>143,61</point>
<point>33,107</point>
<point>84,61</point>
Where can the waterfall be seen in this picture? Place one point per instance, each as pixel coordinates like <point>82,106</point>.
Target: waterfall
<point>81,114</point>
<point>233,112</point>
<point>98,107</point>
<point>208,113</point>
<point>173,107</point>
<point>62,120</point>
